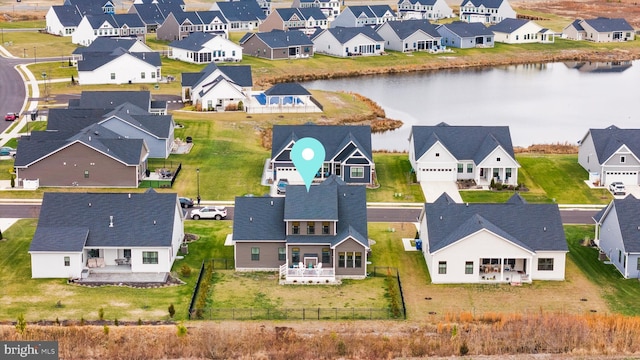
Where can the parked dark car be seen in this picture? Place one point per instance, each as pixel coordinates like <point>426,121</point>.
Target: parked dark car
<point>282,186</point>
<point>186,202</point>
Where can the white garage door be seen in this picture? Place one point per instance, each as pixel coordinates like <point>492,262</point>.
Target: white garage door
<point>626,177</point>
<point>438,174</point>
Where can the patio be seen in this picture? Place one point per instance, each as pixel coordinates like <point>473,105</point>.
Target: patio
<point>119,274</point>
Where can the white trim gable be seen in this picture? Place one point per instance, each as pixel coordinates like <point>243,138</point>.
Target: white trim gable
<point>288,147</point>
<point>471,236</point>
<point>435,151</point>
<point>347,238</point>
<point>622,150</point>
<point>499,152</point>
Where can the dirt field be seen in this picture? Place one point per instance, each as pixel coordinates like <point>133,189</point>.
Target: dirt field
<point>627,9</point>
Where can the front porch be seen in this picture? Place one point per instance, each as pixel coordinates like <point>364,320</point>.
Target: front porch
<point>505,176</point>
<point>310,275</point>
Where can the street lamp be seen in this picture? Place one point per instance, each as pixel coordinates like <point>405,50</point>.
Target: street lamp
<point>198,183</point>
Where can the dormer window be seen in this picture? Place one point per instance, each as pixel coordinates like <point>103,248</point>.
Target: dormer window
<point>623,159</point>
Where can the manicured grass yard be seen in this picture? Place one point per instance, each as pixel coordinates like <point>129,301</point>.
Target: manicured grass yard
<point>395,180</point>
<point>548,178</point>
<point>38,298</point>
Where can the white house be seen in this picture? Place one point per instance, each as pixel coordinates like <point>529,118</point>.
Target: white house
<point>424,9</point>
<point>92,232</point>
<point>521,31</point>
<point>218,87</point>
<point>202,48</point>
<point>450,153</point>
<point>119,67</point>
<point>486,11</point>
<point>491,243</point>
<point>352,41</point>
<point>62,20</point>
<point>611,154</point>
<point>410,35</point>
<point>618,237</point>
<point>108,25</point>
<point>365,15</point>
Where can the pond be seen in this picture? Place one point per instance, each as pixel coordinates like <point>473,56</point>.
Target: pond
<point>541,103</point>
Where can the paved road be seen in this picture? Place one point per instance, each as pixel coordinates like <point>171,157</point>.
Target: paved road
<point>12,89</point>
<point>373,214</point>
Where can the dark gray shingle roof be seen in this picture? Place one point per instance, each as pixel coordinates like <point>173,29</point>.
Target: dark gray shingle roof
<point>263,218</point>
<point>333,137</point>
<point>106,45</point>
<point>603,24</point>
<point>464,142</point>
<point>68,16</point>
<point>276,39</point>
<point>139,220</point>
<point>111,99</point>
<point>490,4</point>
<point>542,230</point>
<point>344,34</point>
<point>508,25</point>
<point>406,28</point>
<point>94,60</point>
<point>244,10</point>
<point>287,89</point>
<point>464,29</point>
<point>44,143</point>
<point>608,141</point>
<point>628,213</point>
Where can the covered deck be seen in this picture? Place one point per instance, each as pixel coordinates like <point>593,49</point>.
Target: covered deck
<point>513,271</point>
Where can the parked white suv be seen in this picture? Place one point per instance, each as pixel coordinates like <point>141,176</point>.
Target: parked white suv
<point>209,212</point>
<point>617,188</point>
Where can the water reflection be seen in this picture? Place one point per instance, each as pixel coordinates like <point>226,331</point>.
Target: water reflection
<point>598,67</point>
<point>541,103</point>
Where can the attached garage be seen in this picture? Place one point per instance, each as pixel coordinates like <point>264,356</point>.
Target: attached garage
<point>437,174</point>
<point>626,177</point>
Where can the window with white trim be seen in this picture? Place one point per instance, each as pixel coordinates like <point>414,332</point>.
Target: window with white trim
<point>357,172</point>
<point>149,257</point>
<point>255,254</point>
<point>67,261</point>
<point>545,264</point>
<point>442,267</point>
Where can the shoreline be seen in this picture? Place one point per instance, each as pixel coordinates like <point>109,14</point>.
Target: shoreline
<point>444,62</point>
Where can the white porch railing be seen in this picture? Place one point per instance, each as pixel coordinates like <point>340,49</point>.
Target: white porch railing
<point>305,274</point>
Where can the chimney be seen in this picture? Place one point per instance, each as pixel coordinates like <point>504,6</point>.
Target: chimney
<point>111,221</point>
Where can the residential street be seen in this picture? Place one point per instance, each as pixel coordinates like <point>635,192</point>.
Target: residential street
<point>374,214</point>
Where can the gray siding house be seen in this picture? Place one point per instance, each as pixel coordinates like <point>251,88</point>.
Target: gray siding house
<point>316,236</point>
<point>126,120</point>
<point>464,35</point>
<point>277,44</point>
<point>347,152</point>
<point>618,237</point>
<point>93,157</point>
<point>611,154</point>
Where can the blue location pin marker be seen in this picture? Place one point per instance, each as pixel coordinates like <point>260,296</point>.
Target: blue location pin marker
<point>307,155</point>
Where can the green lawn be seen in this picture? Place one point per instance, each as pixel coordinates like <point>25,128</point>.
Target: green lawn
<point>548,178</point>
<point>621,294</point>
<point>395,180</point>
<point>38,298</point>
